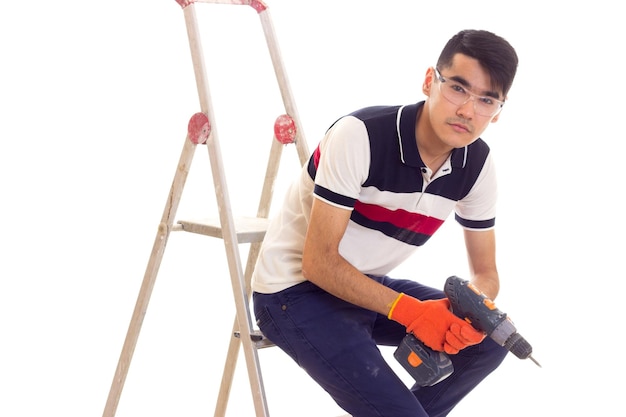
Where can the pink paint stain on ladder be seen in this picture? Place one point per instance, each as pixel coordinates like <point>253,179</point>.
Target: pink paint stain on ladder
<point>285,129</point>
<point>199,128</point>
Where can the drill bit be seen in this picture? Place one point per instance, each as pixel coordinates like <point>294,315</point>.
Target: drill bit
<point>533,359</point>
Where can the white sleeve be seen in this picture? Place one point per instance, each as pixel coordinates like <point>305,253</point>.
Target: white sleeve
<point>344,159</point>
<point>480,203</point>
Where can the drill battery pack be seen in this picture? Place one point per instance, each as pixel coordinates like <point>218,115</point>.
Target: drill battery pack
<point>425,365</point>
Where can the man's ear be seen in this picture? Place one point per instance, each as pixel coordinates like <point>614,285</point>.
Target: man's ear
<point>497,116</point>
<point>428,81</point>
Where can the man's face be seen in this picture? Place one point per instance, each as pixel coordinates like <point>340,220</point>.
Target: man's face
<point>463,104</point>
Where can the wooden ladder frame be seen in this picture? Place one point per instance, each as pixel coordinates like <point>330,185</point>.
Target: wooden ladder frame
<point>233,231</point>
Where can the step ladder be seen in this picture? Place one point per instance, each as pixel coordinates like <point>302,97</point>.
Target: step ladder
<point>201,130</point>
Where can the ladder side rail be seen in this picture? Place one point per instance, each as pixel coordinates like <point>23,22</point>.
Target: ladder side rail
<point>229,234</point>
<point>143,299</point>
<point>197,59</point>
<point>232,355</point>
<point>271,173</point>
<point>266,195</point>
<point>283,83</point>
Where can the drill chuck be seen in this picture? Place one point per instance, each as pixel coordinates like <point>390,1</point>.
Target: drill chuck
<point>518,346</point>
<point>505,334</point>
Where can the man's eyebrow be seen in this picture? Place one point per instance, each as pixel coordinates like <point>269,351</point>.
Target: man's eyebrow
<point>466,84</point>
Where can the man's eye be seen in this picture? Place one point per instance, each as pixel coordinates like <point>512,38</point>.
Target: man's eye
<point>487,100</point>
<point>457,88</point>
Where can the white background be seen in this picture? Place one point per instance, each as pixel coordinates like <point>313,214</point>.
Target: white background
<point>94,103</point>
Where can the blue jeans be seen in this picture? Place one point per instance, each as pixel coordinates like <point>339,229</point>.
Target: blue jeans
<point>335,342</point>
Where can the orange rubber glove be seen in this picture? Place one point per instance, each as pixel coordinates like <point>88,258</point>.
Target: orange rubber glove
<point>433,323</point>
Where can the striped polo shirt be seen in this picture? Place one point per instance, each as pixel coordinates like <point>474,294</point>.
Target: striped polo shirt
<point>368,162</point>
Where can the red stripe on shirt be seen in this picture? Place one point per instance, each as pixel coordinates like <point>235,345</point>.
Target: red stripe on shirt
<point>403,219</point>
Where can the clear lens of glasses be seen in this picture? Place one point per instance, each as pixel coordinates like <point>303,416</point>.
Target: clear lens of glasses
<point>458,95</point>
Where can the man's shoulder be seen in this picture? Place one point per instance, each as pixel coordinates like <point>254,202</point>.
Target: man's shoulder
<point>368,116</point>
<point>374,112</point>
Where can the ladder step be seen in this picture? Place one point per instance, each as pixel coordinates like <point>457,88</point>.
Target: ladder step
<point>258,338</point>
<point>248,229</point>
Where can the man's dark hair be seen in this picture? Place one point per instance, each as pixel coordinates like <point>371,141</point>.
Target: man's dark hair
<point>493,53</point>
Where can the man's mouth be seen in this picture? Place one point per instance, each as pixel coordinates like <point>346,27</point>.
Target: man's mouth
<point>460,127</point>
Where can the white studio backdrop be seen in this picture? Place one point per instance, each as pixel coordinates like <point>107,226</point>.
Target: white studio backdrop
<point>94,102</point>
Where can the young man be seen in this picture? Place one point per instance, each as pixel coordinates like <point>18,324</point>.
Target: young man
<point>380,183</point>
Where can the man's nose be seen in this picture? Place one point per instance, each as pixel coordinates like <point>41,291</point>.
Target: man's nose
<point>467,109</point>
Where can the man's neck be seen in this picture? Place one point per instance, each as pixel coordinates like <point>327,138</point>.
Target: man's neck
<point>431,149</point>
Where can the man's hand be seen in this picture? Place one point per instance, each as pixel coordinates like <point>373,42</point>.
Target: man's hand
<point>433,323</point>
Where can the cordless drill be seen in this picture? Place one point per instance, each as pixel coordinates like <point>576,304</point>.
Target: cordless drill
<point>428,367</point>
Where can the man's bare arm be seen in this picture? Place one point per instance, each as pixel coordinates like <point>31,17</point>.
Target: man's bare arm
<point>325,267</point>
<point>481,254</point>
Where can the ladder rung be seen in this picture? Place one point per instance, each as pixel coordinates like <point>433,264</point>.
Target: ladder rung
<point>248,229</point>
<point>258,338</point>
